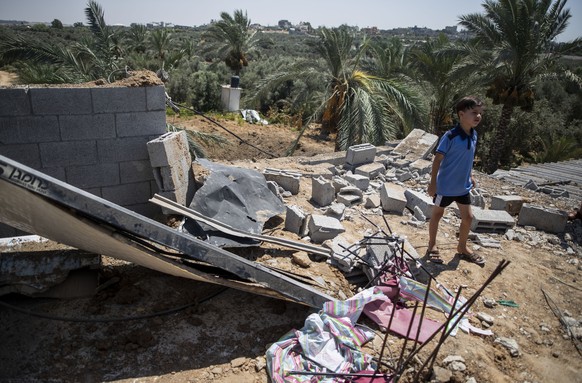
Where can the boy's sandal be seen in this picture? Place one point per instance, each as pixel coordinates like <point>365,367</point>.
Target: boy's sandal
<point>475,258</point>
<point>434,256</point>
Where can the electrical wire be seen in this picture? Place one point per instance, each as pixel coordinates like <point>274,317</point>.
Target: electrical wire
<point>101,320</point>
<point>175,105</point>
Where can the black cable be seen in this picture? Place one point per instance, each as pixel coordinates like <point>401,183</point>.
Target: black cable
<point>100,320</point>
<point>170,102</point>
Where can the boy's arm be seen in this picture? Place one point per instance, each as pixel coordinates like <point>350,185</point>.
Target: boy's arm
<point>436,164</point>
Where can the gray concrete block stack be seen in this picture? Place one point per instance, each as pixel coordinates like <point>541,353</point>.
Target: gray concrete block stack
<point>172,167</point>
<point>92,138</point>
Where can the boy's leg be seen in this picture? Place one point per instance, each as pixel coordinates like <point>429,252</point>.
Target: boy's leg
<point>433,226</point>
<point>466,220</point>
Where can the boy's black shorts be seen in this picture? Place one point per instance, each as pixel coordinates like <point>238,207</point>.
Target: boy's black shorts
<point>444,201</point>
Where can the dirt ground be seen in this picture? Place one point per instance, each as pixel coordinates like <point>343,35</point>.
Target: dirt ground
<point>222,334</point>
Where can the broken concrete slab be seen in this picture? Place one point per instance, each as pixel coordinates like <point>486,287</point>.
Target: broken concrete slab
<point>417,145</point>
<point>35,273</point>
<point>546,219</point>
<point>421,166</point>
<point>424,202</point>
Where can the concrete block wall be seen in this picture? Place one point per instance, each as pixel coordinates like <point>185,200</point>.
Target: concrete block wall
<point>93,138</point>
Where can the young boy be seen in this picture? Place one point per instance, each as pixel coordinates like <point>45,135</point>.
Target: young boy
<point>452,180</point>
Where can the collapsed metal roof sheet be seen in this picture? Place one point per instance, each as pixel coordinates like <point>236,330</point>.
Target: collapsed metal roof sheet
<point>566,175</point>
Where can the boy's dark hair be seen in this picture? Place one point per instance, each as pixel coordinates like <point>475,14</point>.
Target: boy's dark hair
<point>468,102</point>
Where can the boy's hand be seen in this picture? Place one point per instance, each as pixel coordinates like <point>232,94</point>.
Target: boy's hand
<point>431,190</point>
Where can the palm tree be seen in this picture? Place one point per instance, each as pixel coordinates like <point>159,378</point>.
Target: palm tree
<point>437,67</point>
<point>517,37</point>
<point>94,59</point>
<point>358,106</point>
<point>232,39</point>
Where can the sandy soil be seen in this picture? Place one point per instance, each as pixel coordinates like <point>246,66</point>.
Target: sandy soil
<point>223,335</point>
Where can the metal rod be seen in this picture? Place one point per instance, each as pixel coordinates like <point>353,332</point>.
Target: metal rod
<point>502,265</point>
<point>421,314</point>
<point>387,225</point>
<point>406,338</point>
<point>336,374</point>
<point>388,329</point>
<point>442,338</point>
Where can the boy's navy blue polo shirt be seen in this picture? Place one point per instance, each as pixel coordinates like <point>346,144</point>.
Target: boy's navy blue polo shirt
<point>458,149</point>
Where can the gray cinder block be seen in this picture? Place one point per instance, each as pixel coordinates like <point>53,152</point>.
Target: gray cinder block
<point>140,124</point>
<point>14,102</point>
<point>392,198</point>
<point>295,220</point>
<point>510,203</point>
<point>122,99</point>
<point>322,191</point>
<point>360,154</point>
<point>359,181</point>
<point>61,101</point>
<point>546,219</point>
<point>424,202</point>
<point>371,171</point>
<point>168,149</point>
<point>156,98</point>
<point>29,129</point>
<point>491,221</point>
<point>322,228</point>
<point>287,179</point>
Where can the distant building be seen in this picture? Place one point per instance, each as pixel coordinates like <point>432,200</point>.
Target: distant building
<point>284,24</point>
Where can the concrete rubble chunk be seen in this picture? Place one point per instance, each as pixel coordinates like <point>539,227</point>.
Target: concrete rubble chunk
<point>336,210</point>
<point>392,198</point>
<point>360,154</point>
<point>350,195</point>
<point>322,228</point>
<point>359,181</point>
<point>370,171</point>
<point>339,183</point>
<point>418,144</point>
<point>510,203</point>
<point>372,201</point>
<point>546,219</point>
<point>322,191</point>
<point>510,344</point>
<point>421,166</point>
<point>287,179</point>
<point>424,202</point>
<point>340,253</point>
<point>295,220</point>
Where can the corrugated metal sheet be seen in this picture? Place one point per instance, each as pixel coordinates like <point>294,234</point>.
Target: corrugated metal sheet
<point>565,175</point>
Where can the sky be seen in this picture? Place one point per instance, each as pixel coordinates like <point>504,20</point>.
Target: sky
<point>384,14</point>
